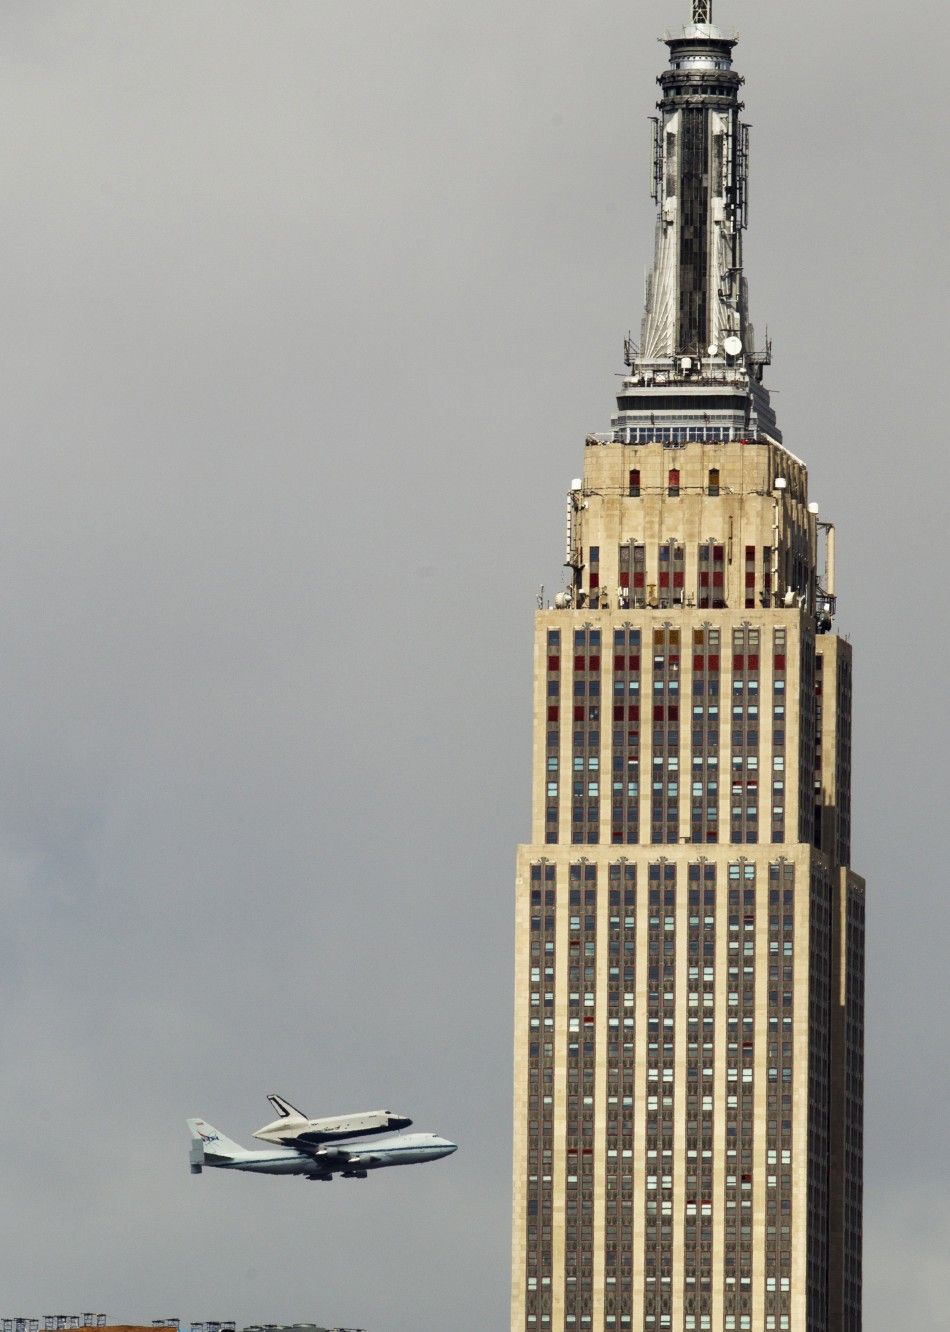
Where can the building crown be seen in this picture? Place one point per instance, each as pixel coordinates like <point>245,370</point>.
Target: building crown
<point>696,364</point>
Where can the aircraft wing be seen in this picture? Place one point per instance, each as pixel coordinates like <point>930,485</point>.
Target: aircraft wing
<point>329,1156</point>
<point>334,1158</point>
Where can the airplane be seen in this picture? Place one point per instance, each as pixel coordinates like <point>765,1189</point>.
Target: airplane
<point>209,1147</point>
<point>293,1128</point>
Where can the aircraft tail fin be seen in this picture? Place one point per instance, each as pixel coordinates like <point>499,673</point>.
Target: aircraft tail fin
<point>209,1145</point>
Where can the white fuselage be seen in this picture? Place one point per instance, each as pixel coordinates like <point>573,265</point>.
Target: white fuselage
<point>342,1158</point>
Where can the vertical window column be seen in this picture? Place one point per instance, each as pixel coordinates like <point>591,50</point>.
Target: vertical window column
<point>540,1089</point>
<point>700,1053</point>
<point>625,756</point>
<point>621,1072</point>
<point>766,584</point>
<point>778,1103</point>
<point>585,777</point>
<point>819,1098</point>
<point>704,798</point>
<point>711,589</point>
<point>740,1108</point>
<point>808,739</point>
<point>661,1001</point>
<point>779,691</point>
<point>552,739</point>
<point>581,1058</point>
<point>631,562</point>
<point>819,756</point>
<point>664,795</point>
<point>749,576</point>
<point>744,804</point>
<point>593,575</point>
<point>672,574</point>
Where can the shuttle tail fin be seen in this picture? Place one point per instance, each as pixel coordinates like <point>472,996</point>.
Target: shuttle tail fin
<point>284,1109</point>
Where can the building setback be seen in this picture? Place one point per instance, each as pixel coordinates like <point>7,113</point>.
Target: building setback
<point>688,1076</point>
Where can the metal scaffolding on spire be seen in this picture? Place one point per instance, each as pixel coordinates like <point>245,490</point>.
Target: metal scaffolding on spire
<point>702,11</point>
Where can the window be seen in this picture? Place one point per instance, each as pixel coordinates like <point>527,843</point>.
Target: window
<point>673,484</point>
<point>714,480</point>
<point>634,482</point>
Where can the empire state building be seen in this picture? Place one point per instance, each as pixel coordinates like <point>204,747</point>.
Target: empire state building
<point>688,1074</point>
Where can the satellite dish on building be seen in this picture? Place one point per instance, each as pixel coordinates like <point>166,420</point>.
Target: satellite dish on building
<point>713,349</point>
<point>686,363</point>
<point>732,345</point>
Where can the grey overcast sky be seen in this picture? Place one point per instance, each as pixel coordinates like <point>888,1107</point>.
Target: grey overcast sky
<point>306,307</point>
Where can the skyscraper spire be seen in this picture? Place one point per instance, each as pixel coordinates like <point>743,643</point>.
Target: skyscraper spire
<point>696,328</point>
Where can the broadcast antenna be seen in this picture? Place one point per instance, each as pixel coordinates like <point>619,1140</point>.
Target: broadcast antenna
<point>702,11</point>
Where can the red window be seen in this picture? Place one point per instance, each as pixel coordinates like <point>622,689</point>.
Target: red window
<point>633,714</point>
<point>639,579</point>
<point>753,661</point>
<point>673,712</point>
<point>658,712</point>
<point>619,663</point>
<point>738,663</point>
<point>624,578</point>
<point>664,578</point>
<point>552,712</point>
<point>579,712</point>
<point>698,663</point>
<point>780,661</point>
<point>703,578</point>
<point>578,663</point>
<point>593,664</point>
<point>750,578</point>
<point>634,481</point>
<point>678,578</point>
<point>554,663</point>
<point>714,662</point>
<point>618,712</point>
<point>635,663</point>
<point>674,481</point>
<point>717,577</point>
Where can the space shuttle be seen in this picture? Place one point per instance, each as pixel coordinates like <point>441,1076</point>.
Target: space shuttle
<point>292,1128</point>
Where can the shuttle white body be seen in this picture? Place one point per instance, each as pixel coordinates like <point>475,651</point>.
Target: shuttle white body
<point>292,1128</point>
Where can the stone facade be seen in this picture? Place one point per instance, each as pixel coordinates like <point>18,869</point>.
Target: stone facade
<point>689,936</point>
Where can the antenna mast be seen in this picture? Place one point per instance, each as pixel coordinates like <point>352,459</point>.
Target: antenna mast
<point>702,11</point>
